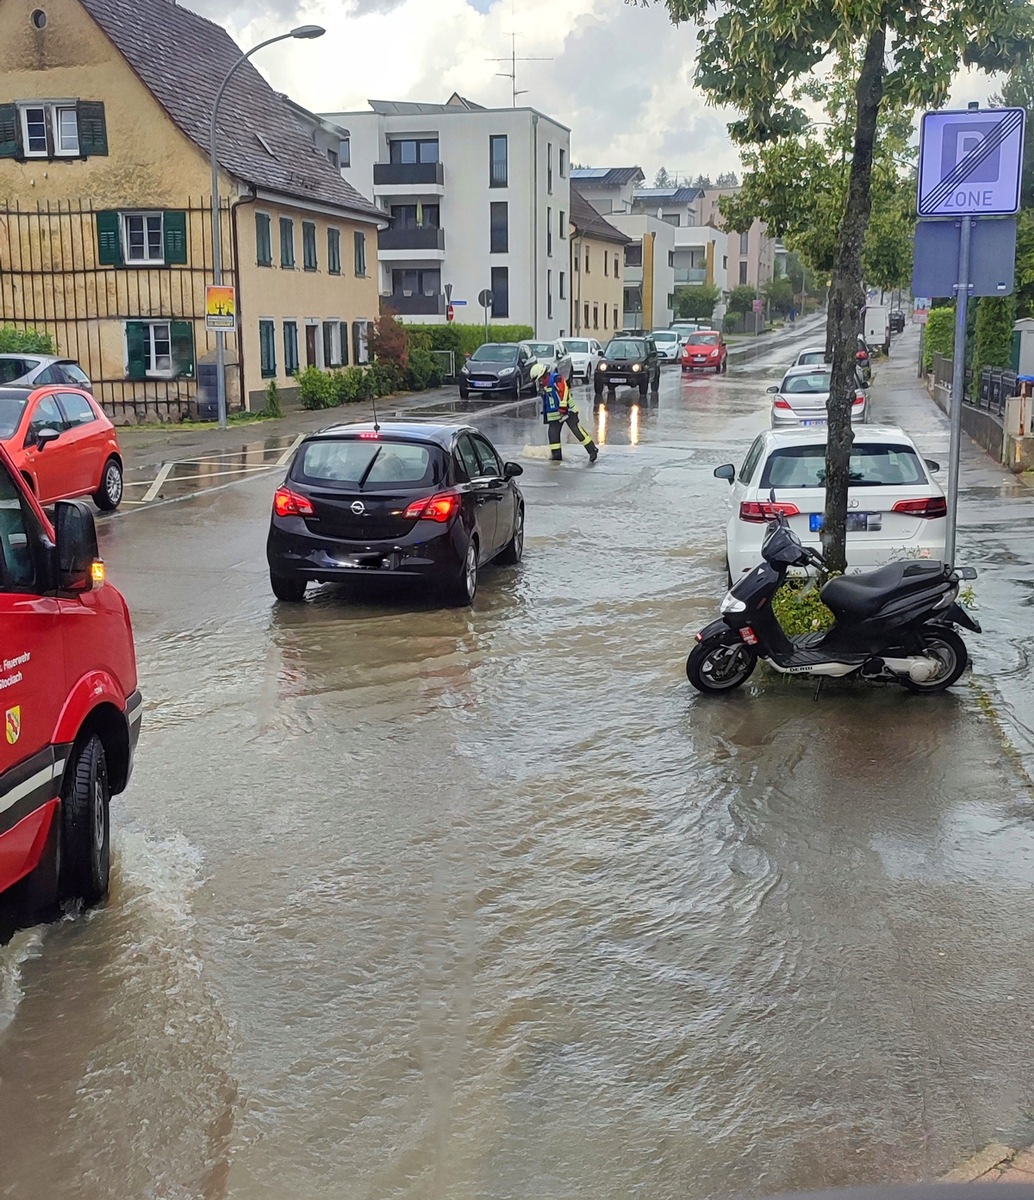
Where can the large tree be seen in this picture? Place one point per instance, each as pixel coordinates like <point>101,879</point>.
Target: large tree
<point>898,55</point>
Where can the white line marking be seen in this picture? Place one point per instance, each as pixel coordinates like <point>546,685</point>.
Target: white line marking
<point>156,486</point>
<point>284,458</point>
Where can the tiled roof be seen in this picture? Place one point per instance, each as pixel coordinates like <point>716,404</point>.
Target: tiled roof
<point>182,58</point>
<point>413,108</point>
<point>588,222</point>
<point>608,176</point>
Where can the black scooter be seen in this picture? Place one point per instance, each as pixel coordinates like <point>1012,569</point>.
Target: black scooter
<point>895,624</point>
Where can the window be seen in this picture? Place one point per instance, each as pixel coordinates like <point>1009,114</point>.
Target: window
<point>563,285</point>
<point>576,258</point>
<point>615,316</point>
<point>499,235</point>
<point>411,281</point>
<point>751,461</point>
<point>290,347</point>
<point>563,163</point>
<point>587,260</point>
<point>413,150</point>
<point>606,265</point>
<point>586,321</point>
<point>77,410</point>
<point>497,165</point>
<point>616,268</point>
<point>563,225</point>
<point>549,232</point>
<point>309,259</point>
<point>34,132</point>
<point>359,246</point>
<point>384,465</point>
<point>500,292</point>
<point>344,152</point>
<point>671,299</point>
<point>468,457</point>
<point>549,295</point>
<point>745,243</point>
<point>595,316</point>
<point>142,239</point>
<point>263,240</point>
<point>334,251</point>
<point>267,348</point>
<point>332,157</point>
<point>332,343</point>
<point>634,255</point>
<point>20,540</point>
<point>871,466</point>
<point>488,460</point>
<point>46,415</point>
<point>416,216</point>
<point>604,316</point>
<point>671,219</point>
<point>159,349</point>
<point>743,273</point>
<point>725,262</point>
<point>671,258</point>
<point>287,243</point>
<point>549,167</point>
<point>53,129</point>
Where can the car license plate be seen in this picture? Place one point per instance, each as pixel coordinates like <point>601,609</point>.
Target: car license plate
<point>478,383</point>
<point>616,379</point>
<point>813,422</point>
<point>700,358</point>
<point>856,522</point>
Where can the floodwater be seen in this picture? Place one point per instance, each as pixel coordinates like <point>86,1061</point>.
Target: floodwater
<point>426,903</point>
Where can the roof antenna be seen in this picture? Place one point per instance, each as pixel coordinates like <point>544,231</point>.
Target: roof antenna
<point>376,423</point>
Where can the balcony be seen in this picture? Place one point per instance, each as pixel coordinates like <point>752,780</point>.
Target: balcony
<point>414,305</point>
<point>411,243</point>
<point>690,274</point>
<point>409,179</point>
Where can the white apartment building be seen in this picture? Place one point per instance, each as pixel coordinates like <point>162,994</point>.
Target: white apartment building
<point>701,250</point>
<point>649,270</point>
<point>479,200</point>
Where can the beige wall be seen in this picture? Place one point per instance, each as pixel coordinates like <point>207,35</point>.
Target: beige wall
<point>760,254</point>
<point>601,287</point>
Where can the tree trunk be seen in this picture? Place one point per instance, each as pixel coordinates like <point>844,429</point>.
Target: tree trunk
<point>847,298</point>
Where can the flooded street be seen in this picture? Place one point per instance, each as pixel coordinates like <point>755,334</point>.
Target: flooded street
<point>432,903</point>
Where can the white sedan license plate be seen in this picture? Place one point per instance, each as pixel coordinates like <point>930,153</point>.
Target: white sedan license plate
<point>823,422</point>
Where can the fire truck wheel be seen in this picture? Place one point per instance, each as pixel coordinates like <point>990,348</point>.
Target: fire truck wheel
<point>85,847</point>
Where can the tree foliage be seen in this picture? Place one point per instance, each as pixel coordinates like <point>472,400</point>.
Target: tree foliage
<point>995,317</point>
<point>22,341</point>
<point>940,334</point>
<point>696,300</point>
<point>780,294</point>
<point>741,299</point>
<point>662,179</point>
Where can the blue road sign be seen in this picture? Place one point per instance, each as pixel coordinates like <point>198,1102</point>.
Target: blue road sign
<point>970,163</point>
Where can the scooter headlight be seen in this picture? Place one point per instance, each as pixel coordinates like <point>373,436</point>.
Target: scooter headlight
<point>731,605</point>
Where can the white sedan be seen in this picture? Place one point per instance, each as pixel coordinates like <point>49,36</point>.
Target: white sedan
<point>585,354</point>
<point>896,510</point>
<point>802,397</point>
<point>811,356</point>
<point>669,344</point>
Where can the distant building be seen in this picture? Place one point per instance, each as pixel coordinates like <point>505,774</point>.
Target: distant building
<point>105,185</point>
<point>597,271</point>
<point>608,189</point>
<point>478,201</point>
<point>701,250</point>
<point>649,271</point>
<point>752,255</point>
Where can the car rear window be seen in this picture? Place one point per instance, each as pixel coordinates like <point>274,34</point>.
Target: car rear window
<point>15,368</point>
<point>871,466</point>
<point>11,409</point>
<point>804,385</point>
<point>380,464</point>
<point>626,350</point>
<point>541,348</point>
<point>576,347</point>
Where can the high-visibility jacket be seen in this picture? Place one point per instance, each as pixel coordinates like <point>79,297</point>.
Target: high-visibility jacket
<point>557,401</point>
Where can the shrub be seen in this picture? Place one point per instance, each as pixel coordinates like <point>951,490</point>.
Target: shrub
<point>696,300</point>
<point>940,334</point>
<point>995,317</point>
<point>741,298</point>
<point>316,389</point>
<point>274,407</point>
<point>21,341</point>
<point>385,376</point>
<point>799,609</point>
<point>387,340</point>
<point>423,370</point>
<point>465,339</point>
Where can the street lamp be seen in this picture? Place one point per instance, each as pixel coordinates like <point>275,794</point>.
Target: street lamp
<point>305,33</point>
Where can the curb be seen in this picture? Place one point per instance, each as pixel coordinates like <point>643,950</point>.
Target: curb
<point>997,1156</point>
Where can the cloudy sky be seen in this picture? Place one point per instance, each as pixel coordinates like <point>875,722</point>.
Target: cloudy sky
<point>620,77</point>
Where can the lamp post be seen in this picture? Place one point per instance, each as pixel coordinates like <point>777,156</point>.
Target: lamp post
<point>303,32</point>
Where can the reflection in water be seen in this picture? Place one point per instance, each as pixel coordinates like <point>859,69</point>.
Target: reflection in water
<point>601,425</point>
<point>633,425</point>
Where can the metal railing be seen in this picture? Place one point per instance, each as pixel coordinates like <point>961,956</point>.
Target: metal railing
<point>990,392</point>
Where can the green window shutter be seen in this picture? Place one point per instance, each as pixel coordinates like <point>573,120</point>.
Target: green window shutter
<point>93,129</point>
<point>309,245</point>
<point>286,242</point>
<point>109,239</point>
<point>10,131</point>
<point>334,251</point>
<point>182,333</point>
<point>137,348</point>
<point>263,240</point>
<point>344,343</point>
<point>174,225</point>
<point>267,344</point>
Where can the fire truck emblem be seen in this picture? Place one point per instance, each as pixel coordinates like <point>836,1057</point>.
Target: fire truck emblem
<point>13,724</point>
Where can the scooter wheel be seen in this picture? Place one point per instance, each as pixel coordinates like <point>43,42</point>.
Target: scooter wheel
<point>720,664</point>
<point>950,650</point>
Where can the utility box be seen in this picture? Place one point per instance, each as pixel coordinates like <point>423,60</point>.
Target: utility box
<point>207,392</point>
<point>1023,346</point>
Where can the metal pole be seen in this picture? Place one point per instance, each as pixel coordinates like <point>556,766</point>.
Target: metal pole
<point>922,352</point>
<point>958,385</point>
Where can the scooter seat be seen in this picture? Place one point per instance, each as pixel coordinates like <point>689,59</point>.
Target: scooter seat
<point>865,594</point>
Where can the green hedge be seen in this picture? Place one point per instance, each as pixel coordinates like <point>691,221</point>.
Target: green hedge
<point>995,318</point>
<point>940,334</point>
<point>330,389</point>
<point>24,341</point>
<point>465,339</point>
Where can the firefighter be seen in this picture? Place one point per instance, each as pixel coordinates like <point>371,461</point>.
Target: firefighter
<point>559,408</point>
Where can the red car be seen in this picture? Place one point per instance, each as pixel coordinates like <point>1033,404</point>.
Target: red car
<point>62,444</point>
<point>705,351</point>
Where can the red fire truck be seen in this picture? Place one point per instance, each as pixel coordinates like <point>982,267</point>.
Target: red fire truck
<point>69,705</point>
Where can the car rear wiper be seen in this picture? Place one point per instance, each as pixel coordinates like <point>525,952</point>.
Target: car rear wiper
<point>369,467</point>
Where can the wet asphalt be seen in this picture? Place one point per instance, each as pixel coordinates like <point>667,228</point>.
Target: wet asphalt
<point>420,902</point>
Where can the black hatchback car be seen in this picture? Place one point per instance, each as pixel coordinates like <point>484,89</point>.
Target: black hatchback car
<point>632,361</point>
<point>498,367</point>
<point>397,501</point>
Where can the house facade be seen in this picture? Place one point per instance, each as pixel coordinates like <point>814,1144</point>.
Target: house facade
<point>597,271</point>
<point>649,271</point>
<point>608,189</point>
<point>106,231</point>
<point>752,254</point>
<point>478,201</point>
<point>701,249</point>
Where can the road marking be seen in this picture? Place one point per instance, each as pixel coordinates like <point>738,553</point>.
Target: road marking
<point>156,486</point>
<point>284,458</point>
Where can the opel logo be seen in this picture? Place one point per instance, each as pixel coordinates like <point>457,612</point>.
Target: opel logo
<point>358,507</point>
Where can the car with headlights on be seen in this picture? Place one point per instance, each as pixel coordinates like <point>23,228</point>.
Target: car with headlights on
<point>585,354</point>
<point>896,509</point>
<point>705,350</point>
<point>632,361</point>
<point>668,343</point>
<point>498,367</point>
<point>399,502</point>
<point>803,396</point>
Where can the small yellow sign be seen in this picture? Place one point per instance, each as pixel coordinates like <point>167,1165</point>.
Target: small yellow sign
<point>13,723</point>
<point>220,308</point>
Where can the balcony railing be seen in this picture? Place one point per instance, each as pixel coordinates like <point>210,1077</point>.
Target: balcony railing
<point>416,305</point>
<point>685,274</point>
<point>407,174</point>
<point>412,238</point>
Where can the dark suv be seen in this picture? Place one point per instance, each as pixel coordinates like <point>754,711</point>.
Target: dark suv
<point>632,361</point>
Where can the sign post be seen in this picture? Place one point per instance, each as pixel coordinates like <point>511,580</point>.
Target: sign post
<point>485,300</point>
<point>970,167</point>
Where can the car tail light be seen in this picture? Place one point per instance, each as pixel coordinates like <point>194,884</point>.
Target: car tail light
<point>859,398</point>
<point>289,504</point>
<point>441,507</point>
<point>861,356</point>
<point>928,507</point>
<point>369,435</point>
<point>781,403</point>
<point>761,512</point>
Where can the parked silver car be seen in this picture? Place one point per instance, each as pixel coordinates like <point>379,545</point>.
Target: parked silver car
<point>552,355</point>
<point>802,397</point>
<point>39,370</point>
